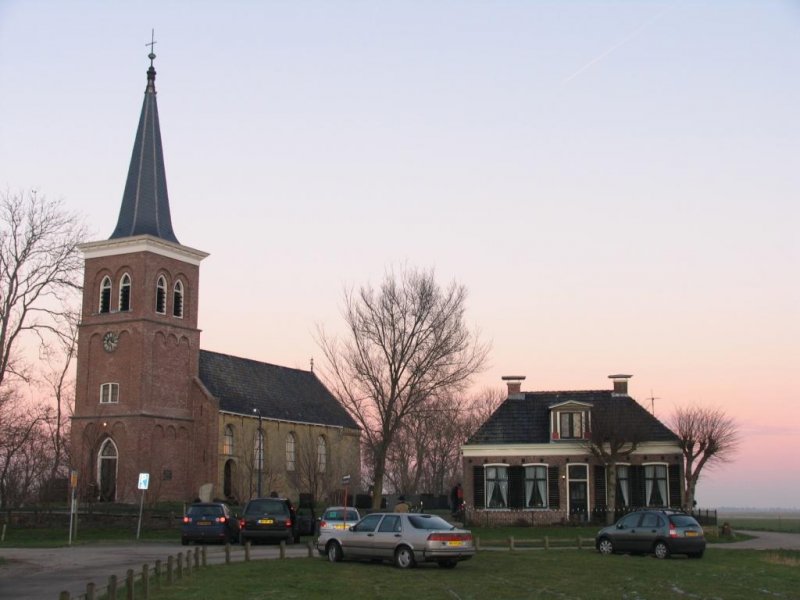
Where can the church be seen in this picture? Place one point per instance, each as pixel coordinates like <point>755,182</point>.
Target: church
<point>149,400</point>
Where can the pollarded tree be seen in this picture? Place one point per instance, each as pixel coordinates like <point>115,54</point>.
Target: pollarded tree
<point>708,438</point>
<point>406,344</point>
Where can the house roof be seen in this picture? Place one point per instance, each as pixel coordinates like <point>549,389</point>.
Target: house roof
<point>145,203</point>
<point>242,385</point>
<point>525,418</point>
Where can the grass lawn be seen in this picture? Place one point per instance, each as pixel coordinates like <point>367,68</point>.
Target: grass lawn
<point>560,574</point>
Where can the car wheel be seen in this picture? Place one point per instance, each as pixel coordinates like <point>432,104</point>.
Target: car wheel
<point>695,554</point>
<point>661,550</point>
<point>448,564</point>
<point>334,551</point>
<point>404,558</point>
<point>605,546</point>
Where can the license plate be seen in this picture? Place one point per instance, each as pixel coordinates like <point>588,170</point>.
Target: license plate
<point>455,543</point>
<point>338,526</point>
<point>204,522</point>
<point>265,521</point>
<point>691,534</point>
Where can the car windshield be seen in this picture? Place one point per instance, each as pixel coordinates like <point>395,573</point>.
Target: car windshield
<point>428,522</point>
<point>196,511</point>
<point>264,507</point>
<point>338,515</point>
<point>683,521</point>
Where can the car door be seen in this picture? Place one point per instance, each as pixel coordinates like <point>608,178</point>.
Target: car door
<point>647,532</point>
<point>625,533</point>
<point>388,534</point>
<point>360,541</point>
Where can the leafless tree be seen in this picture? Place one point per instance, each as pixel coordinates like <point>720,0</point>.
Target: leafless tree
<point>612,439</point>
<point>407,342</point>
<point>708,438</point>
<point>317,472</point>
<point>40,271</point>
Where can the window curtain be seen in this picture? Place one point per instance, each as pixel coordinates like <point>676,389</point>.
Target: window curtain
<point>622,477</point>
<point>649,471</point>
<point>661,478</point>
<point>502,475</point>
<point>529,493</point>
<point>541,485</point>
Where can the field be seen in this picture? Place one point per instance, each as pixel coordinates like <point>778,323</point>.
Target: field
<point>563,574</point>
<point>789,523</point>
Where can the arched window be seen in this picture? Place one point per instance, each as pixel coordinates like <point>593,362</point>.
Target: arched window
<point>177,300</point>
<point>227,441</point>
<point>125,293</point>
<point>107,458</point>
<point>290,454</point>
<point>258,451</point>
<point>322,454</point>
<point>105,295</point>
<point>161,296</point>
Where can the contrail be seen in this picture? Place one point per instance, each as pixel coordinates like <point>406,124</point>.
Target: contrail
<point>622,42</point>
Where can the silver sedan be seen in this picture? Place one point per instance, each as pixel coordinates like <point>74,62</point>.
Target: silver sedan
<point>403,538</point>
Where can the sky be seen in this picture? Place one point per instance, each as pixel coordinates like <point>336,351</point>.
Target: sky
<point>615,183</point>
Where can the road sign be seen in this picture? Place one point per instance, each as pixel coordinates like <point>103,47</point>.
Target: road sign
<point>144,481</point>
<point>346,480</point>
<point>73,478</point>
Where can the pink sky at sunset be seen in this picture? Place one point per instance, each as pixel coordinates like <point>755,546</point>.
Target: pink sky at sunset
<point>615,183</point>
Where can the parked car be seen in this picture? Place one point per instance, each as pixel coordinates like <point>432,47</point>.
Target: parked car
<point>660,532</point>
<point>306,520</point>
<point>338,517</point>
<point>209,521</point>
<point>403,538</point>
<point>268,519</point>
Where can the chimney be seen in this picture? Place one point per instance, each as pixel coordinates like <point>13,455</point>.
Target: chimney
<point>620,384</point>
<point>514,383</point>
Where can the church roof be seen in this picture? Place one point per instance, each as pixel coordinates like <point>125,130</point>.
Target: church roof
<point>241,385</point>
<point>525,419</point>
<point>145,204</point>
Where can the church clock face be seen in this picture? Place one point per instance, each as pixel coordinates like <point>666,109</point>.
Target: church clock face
<point>110,341</point>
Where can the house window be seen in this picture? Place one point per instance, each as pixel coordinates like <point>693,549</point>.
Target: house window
<point>496,486</point>
<point>536,486</point>
<point>227,441</point>
<point>177,300</point>
<point>290,454</point>
<point>109,393</point>
<point>571,425</point>
<point>322,454</point>
<point>655,485</point>
<point>105,295</point>
<point>125,293</point>
<point>258,451</point>
<point>623,486</point>
<point>161,296</point>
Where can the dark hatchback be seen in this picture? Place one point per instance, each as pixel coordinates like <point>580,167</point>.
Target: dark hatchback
<point>209,522</point>
<point>267,519</point>
<point>659,532</point>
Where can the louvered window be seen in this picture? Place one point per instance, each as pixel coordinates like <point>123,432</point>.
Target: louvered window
<point>161,296</point>
<point>177,300</point>
<point>125,293</point>
<point>105,295</point>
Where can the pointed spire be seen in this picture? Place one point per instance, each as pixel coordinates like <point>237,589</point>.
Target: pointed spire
<point>145,204</point>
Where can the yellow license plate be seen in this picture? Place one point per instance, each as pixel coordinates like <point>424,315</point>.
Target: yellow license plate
<point>204,522</point>
<point>339,526</point>
<point>455,543</point>
<point>691,534</point>
<point>265,521</point>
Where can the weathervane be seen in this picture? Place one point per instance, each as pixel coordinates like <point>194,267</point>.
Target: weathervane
<point>152,43</point>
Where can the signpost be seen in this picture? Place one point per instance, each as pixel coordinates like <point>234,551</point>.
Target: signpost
<point>346,484</point>
<point>144,483</point>
<point>73,508</point>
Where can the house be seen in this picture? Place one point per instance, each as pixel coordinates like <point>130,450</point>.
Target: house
<point>532,461</point>
<point>149,400</point>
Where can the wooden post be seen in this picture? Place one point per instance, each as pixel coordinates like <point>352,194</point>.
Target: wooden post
<point>145,581</point>
<point>511,542</point>
<point>546,542</point>
<point>477,543</point>
<point>197,556</point>
<point>90,590</point>
<point>310,548</point>
<point>158,574</point>
<point>129,585</point>
<point>170,566</point>
<point>246,553</point>
<point>179,566</point>
<point>112,587</point>
<point>205,559</point>
<point>579,543</point>
<point>282,549</point>
<point>189,563</point>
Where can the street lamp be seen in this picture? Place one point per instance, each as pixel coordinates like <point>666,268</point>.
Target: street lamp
<point>259,448</point>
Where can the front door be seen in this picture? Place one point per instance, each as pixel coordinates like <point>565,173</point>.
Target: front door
<point>578,489</point>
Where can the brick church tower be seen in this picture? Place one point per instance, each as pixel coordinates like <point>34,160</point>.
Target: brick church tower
<point>139,404</point>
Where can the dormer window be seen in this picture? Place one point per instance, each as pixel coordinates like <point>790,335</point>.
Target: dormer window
<point>571,425</point>
<point>177,300</point>
<point>161,296</point>
<point>570,420</point>
<point>105,295</point>
<point>125,293</point>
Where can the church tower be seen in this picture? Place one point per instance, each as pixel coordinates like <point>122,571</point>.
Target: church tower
<point>139,404</point>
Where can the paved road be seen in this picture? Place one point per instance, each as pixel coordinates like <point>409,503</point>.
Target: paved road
<point>765,540</point>
<point>42,573</point>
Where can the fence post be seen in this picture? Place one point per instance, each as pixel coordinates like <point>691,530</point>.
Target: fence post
<point>203,553</point>
<point>511,542</point>
<point>112,587</point>
<point>179,566</point>
<point>145,581</point>
<point>477,543</point>
<point>157,573</point>
<point>188,563</point>
<point>129,585</point>
<point>246,553</point>
<point>197,556</point>
<point>90,590</point>
<point>282,549</point>
<point>546,542</point>
<point>310,548</point>
<point>170,566</point>
<point>579,543</point>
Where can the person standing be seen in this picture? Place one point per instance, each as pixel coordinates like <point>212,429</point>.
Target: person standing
<point>402,505</point>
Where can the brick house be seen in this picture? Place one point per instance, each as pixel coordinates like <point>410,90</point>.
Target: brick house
<point>531,460</point>
<point>149,400</point>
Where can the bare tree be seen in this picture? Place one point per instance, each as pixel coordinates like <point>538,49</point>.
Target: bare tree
<point>708,438</point>
<point>406,343</point>
<point>317,470</point>
<point>612,439</point>
<point>40,269</point>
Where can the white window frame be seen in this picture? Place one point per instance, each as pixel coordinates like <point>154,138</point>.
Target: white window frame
<point>123,284</point>
<point>291,452</point>
<point>588,487</point>
<point>626,489</point>
<point>228,441</point>
<point>107,442</point>
<point>529,492</point>
<point>105,288</point>
<point>651,480</point>
<point>161,292</point>
<point>498,483</point>
<point>581,414</point>
<point>322,454</point>
<point>177,292</point>
<point>109,393</point>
